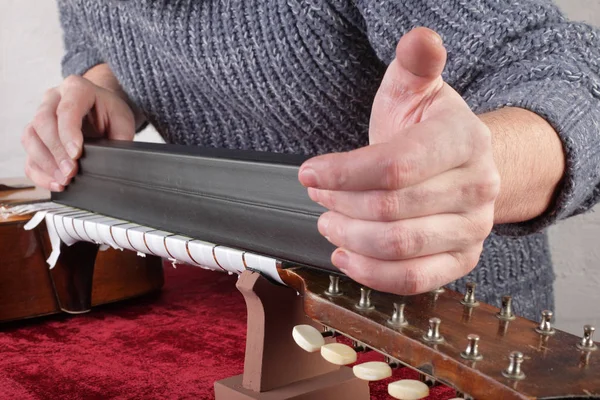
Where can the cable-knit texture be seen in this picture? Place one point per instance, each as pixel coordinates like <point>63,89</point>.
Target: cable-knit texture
<point>300,76</point>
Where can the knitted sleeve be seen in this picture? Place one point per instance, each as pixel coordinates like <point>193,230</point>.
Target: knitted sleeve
<point>80,54</point>
<point>521,54</point>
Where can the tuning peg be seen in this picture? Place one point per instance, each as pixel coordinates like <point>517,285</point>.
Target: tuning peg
<point>308,338</point>
<point>360,347</point>
<point>392,362</point>
<point>472,351</point>
<point>328,332</point>
<point>334,286</point>
<point>514,368</point>
<point>462,396</point>
<point>506,312</point>
<point>545,327</point>
<point>587,342</point>
<point>433,333</point>
<point>469,299</point>
<point>338,353</point>
<point>398,318</point>
<point>365,299</point>
<point>372,371</point>
<point>408,389</point>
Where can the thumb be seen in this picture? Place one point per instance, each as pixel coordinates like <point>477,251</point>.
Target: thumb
<point>421,59</point>
<point>410,82</point>
<point>111,117</point>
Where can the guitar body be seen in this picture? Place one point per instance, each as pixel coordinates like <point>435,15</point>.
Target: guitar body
<point>28,288</point>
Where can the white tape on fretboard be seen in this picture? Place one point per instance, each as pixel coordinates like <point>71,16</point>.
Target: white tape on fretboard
<point>68,225</point>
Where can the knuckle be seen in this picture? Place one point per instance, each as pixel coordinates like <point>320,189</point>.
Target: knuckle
<point>339,174</point>
<point>485,190</point>
<point>392,92</point>
<point>397,172</point>
<point>384,206</point>
<point>49,94</point>
<point>413,281</point>
<point>337,231</point>
<point>478,227</point>
<point>65,106</point>
<point>329,198</point>
<point>41,119</point>
<point>468,260</point>
<point>402,242</point>
<point>73,82</point>
<point>27,136</point>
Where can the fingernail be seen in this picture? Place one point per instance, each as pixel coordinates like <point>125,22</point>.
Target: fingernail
<point>67,166</point>
<point>313,194</point>
<point>308,177</point>
<point>60,177</point>
<point>55,187</point>
<point>437,39</point>
<point>323,224</point>
<point>340,259</point>
<point>72,149</point>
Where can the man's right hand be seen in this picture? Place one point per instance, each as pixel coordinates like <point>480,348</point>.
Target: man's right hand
<point>54,138</point>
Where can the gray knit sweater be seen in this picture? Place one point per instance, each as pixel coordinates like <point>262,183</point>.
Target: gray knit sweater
<point>300,76</point>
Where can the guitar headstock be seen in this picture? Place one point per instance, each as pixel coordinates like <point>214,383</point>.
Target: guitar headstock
<point>473,347</point>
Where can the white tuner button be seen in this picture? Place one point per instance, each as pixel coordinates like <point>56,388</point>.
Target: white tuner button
<point>308,337</point>
<point>372,371</point>
<point>408,389</point>
<point>338,353</point>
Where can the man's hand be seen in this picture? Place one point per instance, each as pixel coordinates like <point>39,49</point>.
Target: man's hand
<point>409,213</point>
<point>54,139</point>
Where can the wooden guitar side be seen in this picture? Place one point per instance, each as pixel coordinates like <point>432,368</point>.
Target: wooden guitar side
<point>29,289</point>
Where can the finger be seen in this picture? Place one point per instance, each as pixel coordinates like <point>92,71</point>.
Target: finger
<point>407,277</point>
<point>455,191</point>
<point>41,156</point>
<point>45,126</point>
<point>411,82</point>
<point>77,99</point>
<point>425,150</point>
<point>41,178</point>
<point>404,239</point>
<point>122,120</point>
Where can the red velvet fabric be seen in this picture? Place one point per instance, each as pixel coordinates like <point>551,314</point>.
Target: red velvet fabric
<point>171,346</point>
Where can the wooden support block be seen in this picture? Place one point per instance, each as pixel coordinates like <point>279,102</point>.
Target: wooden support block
<point>336,385</point>
<point>275,367</point>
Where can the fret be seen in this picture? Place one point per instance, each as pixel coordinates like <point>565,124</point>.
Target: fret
<point>69,225</point>
<point>59,228</point>
<point>177,247</point>
<point>104,227</point>
<point>230,259</point>
<point>263,264</point>
<point>80,228</point>
<point>155,241</point>
<point>91,228</point>
<point>120,236</point>
<point>137,239</point>
<point>202,253</point>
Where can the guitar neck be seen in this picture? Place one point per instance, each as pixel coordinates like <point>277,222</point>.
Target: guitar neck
<point>241,199</point>
<point>553,365</point>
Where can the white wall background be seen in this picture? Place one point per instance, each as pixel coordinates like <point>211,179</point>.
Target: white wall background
<point>30,52</point>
